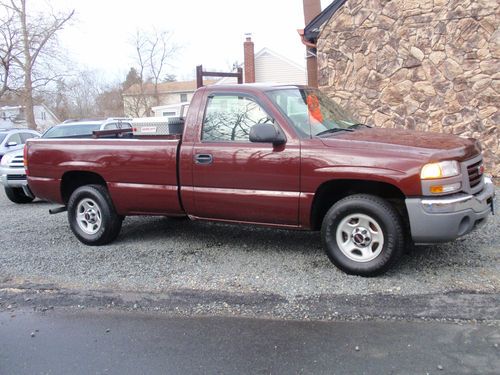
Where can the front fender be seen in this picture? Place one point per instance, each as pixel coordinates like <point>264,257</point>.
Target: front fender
<point>408,183</point>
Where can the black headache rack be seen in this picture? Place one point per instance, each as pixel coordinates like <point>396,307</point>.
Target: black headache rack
<point>113,133</point>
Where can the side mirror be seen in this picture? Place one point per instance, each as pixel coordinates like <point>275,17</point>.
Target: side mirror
<point>11,144</point>
<point>267,133</point>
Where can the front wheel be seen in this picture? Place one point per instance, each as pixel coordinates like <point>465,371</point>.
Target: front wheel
<point>17,195</point>
<point>363,235</point>
<point>92,216</point>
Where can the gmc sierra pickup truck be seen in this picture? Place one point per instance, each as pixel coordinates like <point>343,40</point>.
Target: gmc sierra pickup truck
<point>281,156</point>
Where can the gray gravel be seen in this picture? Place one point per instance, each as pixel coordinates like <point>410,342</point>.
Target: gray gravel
<point>155,254</point>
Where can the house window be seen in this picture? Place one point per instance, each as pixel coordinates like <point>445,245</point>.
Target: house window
<point>184,98</point>
<point>44,116</point>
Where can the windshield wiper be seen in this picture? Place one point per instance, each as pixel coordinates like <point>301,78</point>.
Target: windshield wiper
<point>334,130</point>
<point>356,126</point>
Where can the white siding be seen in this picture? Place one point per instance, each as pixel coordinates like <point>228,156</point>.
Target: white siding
<point>271,68</point>
<point>175,97</point>
<point>44,118</point>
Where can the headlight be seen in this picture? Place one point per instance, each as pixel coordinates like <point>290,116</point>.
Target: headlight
<point>6,160</point>
<point>442,169</point>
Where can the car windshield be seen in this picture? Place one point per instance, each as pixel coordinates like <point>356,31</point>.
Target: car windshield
<point>74,131</point>
<point>311,112</point>
<point>2,137</point>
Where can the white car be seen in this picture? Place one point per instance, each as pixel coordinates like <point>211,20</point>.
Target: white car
<point>12,172</point>
<point>13,177</point>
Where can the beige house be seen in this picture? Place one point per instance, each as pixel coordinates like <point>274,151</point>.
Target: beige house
<point>265,66</point>
<point>138,100</point>
<point>431,65</point>
<point>268,66</point>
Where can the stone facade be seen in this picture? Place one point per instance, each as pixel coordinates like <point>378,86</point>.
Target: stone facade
<point>431,65</point>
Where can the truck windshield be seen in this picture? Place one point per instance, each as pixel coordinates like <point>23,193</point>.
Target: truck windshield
<point>312,113</point>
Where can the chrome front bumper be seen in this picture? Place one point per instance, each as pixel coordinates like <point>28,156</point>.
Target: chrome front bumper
<point>5,172</point>
<point>443,219</point>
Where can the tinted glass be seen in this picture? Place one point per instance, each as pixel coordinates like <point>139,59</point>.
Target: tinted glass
<point>117,125</point>
<point>229,118</point>
<point>110,126</point>
<point>83,130</point>
<point>15,138</point>
<point>26,136</point>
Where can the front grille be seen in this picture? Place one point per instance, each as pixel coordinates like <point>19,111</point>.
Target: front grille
<point>16,177</point>
<point>475,174</point>
<point>17,162</point>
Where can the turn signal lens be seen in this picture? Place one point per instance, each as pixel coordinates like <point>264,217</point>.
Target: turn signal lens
<point>25,159</point>
<point>436,189</point>
<point>439,189</point>
<point>442,169</point>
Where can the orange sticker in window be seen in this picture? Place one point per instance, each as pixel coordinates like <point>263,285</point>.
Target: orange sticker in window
<point>314,108</point>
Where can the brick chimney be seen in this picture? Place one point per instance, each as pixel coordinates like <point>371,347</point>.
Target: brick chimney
<point>249,60</point>
<point>311,9</point>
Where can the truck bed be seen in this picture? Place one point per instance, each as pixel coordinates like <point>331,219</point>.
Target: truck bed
<point>141,174</point>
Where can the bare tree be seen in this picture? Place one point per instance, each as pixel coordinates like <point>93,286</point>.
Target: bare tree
<point>85,95</point>
<point>110,102</point>
<point>9,49</point>
<point>83,92</point>
<point>154,51</point>
<point>36,32</point>
<point>160,50</point>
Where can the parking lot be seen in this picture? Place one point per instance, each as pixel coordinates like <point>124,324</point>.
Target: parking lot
<point>159,256</point>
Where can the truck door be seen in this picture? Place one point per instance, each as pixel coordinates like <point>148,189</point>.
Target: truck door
<point>235,179</point>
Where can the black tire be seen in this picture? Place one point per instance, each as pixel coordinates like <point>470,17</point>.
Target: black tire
<point>17,195</point>
<point>381,216</point>
<point>101,228</point>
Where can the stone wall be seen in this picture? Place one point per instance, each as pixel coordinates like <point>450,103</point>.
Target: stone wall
<point>431,65</point>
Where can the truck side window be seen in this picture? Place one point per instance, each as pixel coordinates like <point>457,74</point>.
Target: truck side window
<point>230,117</point>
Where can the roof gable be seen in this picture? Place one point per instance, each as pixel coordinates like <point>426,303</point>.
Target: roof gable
<point>266,51</point>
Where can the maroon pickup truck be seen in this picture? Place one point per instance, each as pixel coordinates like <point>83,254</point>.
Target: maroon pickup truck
<point>281,156</point>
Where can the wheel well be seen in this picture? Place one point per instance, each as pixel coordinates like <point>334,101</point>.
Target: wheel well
<point>332,191</point>
<point>73,180</point>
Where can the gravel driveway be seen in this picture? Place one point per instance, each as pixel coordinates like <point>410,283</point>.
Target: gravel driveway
<point>156,254</point>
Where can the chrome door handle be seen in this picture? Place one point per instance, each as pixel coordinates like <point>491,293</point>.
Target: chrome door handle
<point>203,159</point>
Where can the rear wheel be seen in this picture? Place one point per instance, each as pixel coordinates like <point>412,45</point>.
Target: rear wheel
<point>363,235</point>
<point>17,195</point>
<point>92,216</point>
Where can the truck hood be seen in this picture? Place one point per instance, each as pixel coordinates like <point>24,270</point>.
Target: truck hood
<point>426,144</point>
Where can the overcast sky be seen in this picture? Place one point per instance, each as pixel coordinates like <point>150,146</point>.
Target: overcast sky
<point>210,32</point>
